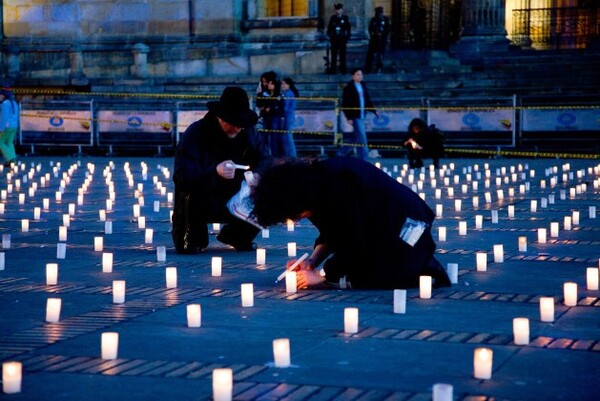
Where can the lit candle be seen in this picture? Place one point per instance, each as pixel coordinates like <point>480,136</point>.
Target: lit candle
<point>494,216</point>
<point>46,203</point>
<point>51,273</point>
<point>547,309</point>
<point>592,212</point>
<point>136,210</point>
<point>216,265</point>
<point>351,320</point>
<point>290,281</point>
<point>291,249</point>
<point>482,363</point>
<point>247,295</point>
<point>570,294</point>
<point>98,244</point>
<point>107,262</point>
<point>66,220</point>
<point>21,199</point>
<point>25,225</point>
<point>194,315</point>
<point>567,223</point>
<point>61,250</point>
<point>265,233</point>
<point>71,209</point>
<point>222,383</point>
<point>161,253</point>
<point>118,289</point>
<point>476,201</point>
<point>442,234</point>
<point>424,287</point>
<point>261,256</point>
<point>522,244</point>
<point>521,330</point>
<point>290,225</point>
<point>102,214</point>
<point>592,278</point>
<point>452,269</point>
<point>457,205</point>
<point>281,352</point>
<point>575,217</point>
<point>216,226</point>
<point>439,210</point>
<point>554,230</point>
<point>148,235</point>
<point>541,235</point>
<point>141,222</point>
<point>36,213</point>
<point>171,277</point>
<point>2,260</point>
<point>399,301</point>
<point>53,310</point>
<point>481,258</point>
<point>511,211</point>
<point>442,392</point>
<point>479,221</point>
<point>12,373</point>
<point>498,253</point>
<point>533,206</point>
<point>462,228</point>
<point>110,345</point>
<point>62,233</point>
<point>156,206</point>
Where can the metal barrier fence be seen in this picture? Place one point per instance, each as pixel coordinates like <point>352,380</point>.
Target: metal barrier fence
<point>509,123</point>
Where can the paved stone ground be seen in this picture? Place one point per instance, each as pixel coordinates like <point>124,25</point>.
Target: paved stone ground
<point>392,357</point>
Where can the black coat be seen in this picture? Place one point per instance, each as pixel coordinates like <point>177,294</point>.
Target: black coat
<point>351,101</point>
<point>359,214</point>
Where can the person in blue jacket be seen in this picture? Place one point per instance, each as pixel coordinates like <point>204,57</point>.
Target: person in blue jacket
<point>9,123</point>
<point>373,231</point>
<point>207,174</point>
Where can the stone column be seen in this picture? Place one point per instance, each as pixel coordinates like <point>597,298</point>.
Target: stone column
<point>483,29</point>
<point>140,60</point>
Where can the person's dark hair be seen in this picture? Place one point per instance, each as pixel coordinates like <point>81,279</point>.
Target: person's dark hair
<point>417,122</point>
<point>285,191</point>
<point>292,86</point>
<point>355,70</point>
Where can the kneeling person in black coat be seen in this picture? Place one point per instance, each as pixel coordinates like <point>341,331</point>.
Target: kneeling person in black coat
<point>423,142</point>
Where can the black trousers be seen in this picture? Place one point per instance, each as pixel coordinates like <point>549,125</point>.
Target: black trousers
<point>338,49</point>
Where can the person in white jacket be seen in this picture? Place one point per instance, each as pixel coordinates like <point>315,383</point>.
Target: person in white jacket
<point>9,123</point>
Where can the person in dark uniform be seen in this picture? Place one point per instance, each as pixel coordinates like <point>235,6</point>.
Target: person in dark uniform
<point>338,31</point>
<point>373,231</point>
<point>379,29</point>
<point>206,176</point>
<point>422,142</point>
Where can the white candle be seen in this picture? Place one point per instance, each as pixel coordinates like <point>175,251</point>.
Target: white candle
<point>265,233</point>
<point>547,309</point>
<point>521,330</point>
<point>482,363</point>
<point>592,278</point>
<point>36,213</point>
<point>554,230</point>
<point>222,383</point>
<point>439,210</point>
<point>494,216</point>
<point>161,253</point>
<point>290,225</point>
<point>61,250</point>
<point>247,295</point>
<point>281,352</point>
<point>66,220</point>
<point>457,205</point>
<point>399,301</point>
<point>261,256</point>
<point>46,203</point>
<point>102,214</point>
<point>21,199</point>
<point>511,211</point>
<point>567,223</point>
<point>216,226</point>
<point>216,265</point>
<point>442,392</point>
<point>481,258</point>
<point>136,210</point>
<point>479,221</point>
<point>476,201</point>
<point>498,253</point>
<point>141,222</point>
<point>109,203</point>
<point>71,209</point>
<point>452,270</point>
<point>12,373</point>
<point>290,281</point>
<point>522,244</point>
<point>110,345</point>
<point>171,277</point>
<point>118,289</point>
<point>533,206</point>
<point>194,315</point>
<point>442,234</point>
<point>62,233</point>
<point>438,193</point>
<point>98,244</point>
<point>53,310</point>
<point>291,249</point>
<point>156,206</point>
<point>575,217</point>
<point>462,228</point>
<point>592,212</point>
<point>108,227</point>
<point>148,235</point>
<point>107,262</point>
<point>6,241</point>
<point>2,260</point>
<point>570,294</point>
<point>424,287</point>
<point>25,225</point>
<point>51,273</point>
<point>351,320</point>
<point>541,235</point>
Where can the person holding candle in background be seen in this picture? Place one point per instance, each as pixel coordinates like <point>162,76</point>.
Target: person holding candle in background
<point>207,173</point>
<point>423,141</point>
<point>373,231</point>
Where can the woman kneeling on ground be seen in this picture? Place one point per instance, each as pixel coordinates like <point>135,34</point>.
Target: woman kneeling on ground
<point>373,231</point>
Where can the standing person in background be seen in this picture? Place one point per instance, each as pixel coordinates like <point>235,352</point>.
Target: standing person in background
<point>379,29</point>
<point>289,93</point>
<point>9,123</point>
<point>272,115</point>
<point>356,102</point>
<point>423,141</point>
<point>338,31</point>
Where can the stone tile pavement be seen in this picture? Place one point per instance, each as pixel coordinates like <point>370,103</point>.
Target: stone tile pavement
<point>391,357</point>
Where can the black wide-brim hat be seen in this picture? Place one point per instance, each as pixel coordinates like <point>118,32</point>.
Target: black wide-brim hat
<point>234,108</point>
